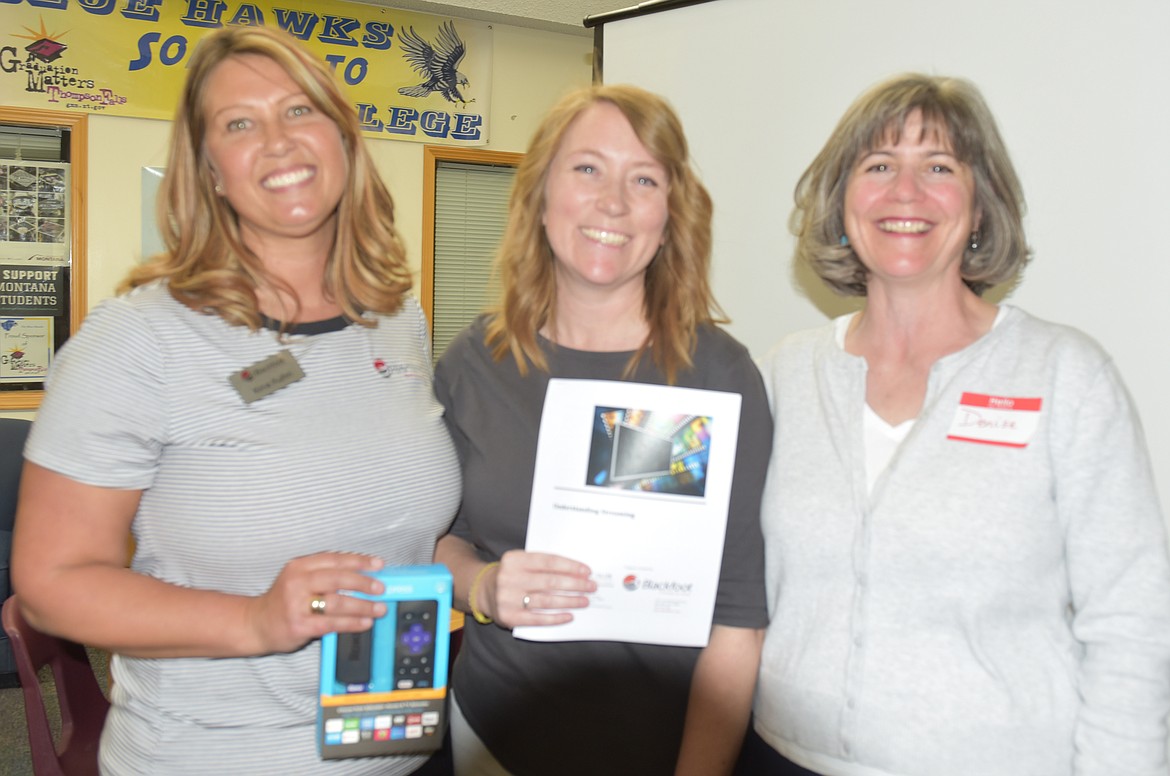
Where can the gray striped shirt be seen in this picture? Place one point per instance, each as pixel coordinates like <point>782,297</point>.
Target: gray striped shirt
<point>353,457</point>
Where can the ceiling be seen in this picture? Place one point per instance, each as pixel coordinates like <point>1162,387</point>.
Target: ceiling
<point>553,15</point>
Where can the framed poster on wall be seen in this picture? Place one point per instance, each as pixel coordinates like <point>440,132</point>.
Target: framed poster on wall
<point>42,277</point>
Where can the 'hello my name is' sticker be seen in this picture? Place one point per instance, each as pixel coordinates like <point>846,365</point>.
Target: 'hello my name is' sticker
<point>995,420</point>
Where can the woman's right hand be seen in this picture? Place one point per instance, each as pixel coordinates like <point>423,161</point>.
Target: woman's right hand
<point>284,620</point>
<point>534,588</point>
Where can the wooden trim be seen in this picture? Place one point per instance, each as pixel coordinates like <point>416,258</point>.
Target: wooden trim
<point>432,155</point>
<point>78,126</point>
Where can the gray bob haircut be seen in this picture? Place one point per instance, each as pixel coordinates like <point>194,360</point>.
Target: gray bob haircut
<point>952,109</point>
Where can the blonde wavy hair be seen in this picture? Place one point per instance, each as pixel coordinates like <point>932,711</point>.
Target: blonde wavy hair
<point>952,109</point>
<point>678,297</point>
<point>206,264</point>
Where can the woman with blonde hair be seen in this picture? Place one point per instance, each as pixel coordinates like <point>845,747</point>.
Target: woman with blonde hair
<point>257,410</point>
<point>604,270</point>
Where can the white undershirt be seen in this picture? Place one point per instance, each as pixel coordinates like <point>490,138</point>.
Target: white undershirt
<point>881,439</point>
<point>881,442</point>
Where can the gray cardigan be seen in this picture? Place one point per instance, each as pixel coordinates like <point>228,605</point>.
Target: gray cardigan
<point>988,609</point>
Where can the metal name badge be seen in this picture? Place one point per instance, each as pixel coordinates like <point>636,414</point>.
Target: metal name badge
<point>266,377</point>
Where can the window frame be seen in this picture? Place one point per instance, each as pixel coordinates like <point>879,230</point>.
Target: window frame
<point>432,155</point>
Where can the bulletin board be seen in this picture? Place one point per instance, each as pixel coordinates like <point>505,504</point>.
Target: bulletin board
<point>42,267</point>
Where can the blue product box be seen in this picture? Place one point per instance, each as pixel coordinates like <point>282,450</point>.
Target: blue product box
<point>384,692</point>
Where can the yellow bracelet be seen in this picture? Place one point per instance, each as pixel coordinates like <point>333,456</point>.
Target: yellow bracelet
<point>479,616</point>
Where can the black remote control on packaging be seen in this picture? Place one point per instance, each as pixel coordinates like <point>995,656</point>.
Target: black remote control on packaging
<point>414,644</point>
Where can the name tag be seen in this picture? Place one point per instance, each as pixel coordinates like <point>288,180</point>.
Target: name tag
<point>266,377</point>
<point>995,420</point>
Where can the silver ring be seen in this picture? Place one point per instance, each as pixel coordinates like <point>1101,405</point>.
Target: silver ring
<point>317,606</point>
<point>527,600</point>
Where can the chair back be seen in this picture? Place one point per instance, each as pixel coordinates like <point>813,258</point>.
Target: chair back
<point>82,704</point>
<point>13,432</point>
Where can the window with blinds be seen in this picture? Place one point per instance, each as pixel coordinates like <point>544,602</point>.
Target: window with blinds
<point>34,144</point>
<point>471,210</point>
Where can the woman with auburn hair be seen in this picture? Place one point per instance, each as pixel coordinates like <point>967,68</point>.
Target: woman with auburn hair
<point>967,563</point>
<point>677,295</point>
<point>604,269</point>
<point>265,427</point>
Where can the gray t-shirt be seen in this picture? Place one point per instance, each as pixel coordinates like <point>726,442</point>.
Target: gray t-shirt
<point>585,707</point>
<point>353,457</point>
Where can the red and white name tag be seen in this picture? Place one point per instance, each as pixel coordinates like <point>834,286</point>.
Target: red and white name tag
<point>995,420</point>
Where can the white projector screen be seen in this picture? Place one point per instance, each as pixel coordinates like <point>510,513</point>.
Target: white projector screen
<point>1081,91</point>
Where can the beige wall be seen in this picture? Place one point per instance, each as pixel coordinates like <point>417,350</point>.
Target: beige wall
<point>530,70</point>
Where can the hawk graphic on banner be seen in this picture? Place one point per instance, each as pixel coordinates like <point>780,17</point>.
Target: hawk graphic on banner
<point>439,63</point>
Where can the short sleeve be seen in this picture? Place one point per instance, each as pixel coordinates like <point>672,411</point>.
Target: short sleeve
<point>102,421</point>
<point>741,600</point>
<point>447,385</point>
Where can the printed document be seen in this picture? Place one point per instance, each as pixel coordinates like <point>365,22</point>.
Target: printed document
<point>634,480</point>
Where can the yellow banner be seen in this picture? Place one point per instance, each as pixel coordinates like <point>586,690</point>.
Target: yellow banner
<point>411,76</point>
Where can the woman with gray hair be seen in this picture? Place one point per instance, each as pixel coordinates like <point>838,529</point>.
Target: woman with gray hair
<point>967,563</point>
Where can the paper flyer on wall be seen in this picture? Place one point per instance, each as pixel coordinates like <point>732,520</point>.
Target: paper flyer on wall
<point>635,480</point>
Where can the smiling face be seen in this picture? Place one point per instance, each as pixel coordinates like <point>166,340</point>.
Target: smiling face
<point>605,204</point>
<point>910,208</point>
<point>277,158</point>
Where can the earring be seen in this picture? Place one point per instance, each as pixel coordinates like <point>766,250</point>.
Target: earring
<point>974,241</point>
<point>218,187</point>
<point>844,241</point>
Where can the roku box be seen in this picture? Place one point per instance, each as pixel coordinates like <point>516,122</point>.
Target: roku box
<point>384,691</point>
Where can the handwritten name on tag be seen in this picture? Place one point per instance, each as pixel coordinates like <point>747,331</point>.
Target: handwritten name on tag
<point>995,420</point>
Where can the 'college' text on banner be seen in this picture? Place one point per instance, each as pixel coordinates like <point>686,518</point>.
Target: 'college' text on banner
<point>411,76</point>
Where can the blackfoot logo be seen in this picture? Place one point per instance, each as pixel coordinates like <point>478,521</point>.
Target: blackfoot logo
<point>631,582</point>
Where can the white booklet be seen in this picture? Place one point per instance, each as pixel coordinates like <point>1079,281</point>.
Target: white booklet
<point>634,480</point>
